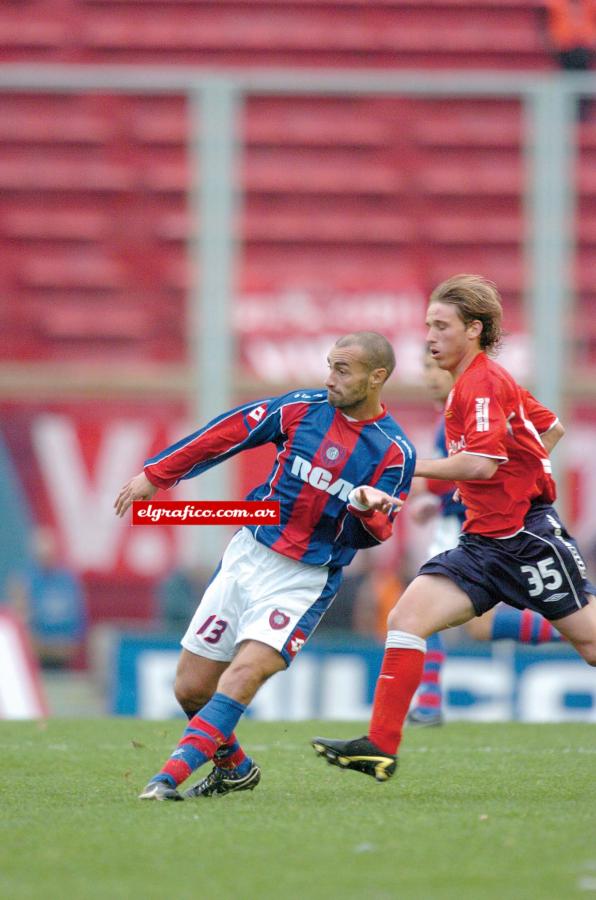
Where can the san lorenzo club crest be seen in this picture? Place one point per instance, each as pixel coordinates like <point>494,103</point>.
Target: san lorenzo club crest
<point>278,619</point>
<point>332,453</point>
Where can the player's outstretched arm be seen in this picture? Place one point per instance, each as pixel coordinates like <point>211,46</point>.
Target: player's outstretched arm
<point>373,499</point>
<point>138,488</point>
<point>460,467</point>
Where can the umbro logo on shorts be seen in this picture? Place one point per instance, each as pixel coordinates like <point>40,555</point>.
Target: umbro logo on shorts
<point>555,597</point>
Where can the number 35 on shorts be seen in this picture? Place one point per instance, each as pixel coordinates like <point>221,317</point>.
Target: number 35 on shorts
<point>544,576</point>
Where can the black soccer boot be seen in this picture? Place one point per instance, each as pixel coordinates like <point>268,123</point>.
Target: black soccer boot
<point>159,790</point>
<point>220,781</point>
<point>359,754</point>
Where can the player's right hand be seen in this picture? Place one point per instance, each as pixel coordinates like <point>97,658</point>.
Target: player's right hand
<point>375,499</point>
<point>138,488</point>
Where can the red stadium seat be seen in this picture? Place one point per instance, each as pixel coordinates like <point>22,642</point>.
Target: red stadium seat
<point>46,123</point>
<point>472,228</point>
<point>474,177</point>
<point>87,270</point>
<point>54,224</point>
<point>325,226</point>
<point>19,32</point>
<point>370,33</point>
<point>467,124</point>
<point>41,172</point>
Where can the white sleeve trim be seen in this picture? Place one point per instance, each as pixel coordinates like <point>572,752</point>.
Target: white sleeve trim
<point>554,422</point>
<point>486,455</point>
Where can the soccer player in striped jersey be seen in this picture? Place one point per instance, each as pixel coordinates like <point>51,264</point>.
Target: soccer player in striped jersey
<point>514,546</point>
<point>343,469</point>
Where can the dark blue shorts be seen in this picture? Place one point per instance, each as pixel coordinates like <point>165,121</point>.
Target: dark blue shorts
<point>540,568</point>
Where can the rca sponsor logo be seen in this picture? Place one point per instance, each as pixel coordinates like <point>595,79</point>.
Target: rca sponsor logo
<point>321,478</point>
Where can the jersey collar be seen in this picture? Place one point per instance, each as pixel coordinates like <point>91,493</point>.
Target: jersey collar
<point>381,415</point>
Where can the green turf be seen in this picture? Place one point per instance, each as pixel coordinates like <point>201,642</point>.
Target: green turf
<point>477,811</point>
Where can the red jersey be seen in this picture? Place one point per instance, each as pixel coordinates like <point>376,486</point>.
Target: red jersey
<point>489,414</point>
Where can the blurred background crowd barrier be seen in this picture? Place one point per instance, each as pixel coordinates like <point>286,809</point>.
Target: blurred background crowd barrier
<point>196,199</point>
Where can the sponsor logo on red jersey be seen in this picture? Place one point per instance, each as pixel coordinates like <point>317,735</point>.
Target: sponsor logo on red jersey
<point>456,446</point>
<point>482,420</point>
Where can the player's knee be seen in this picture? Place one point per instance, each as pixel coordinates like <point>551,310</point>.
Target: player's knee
<point>244,678</point>
<point>587,650</point>
<point>393,620</point>
<point>403,620</point>
<point>589,654</point>
<point>410,613</point>
<point>190,696</point>
<point>479,629</point>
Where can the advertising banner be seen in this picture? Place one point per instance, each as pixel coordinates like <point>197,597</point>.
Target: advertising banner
<point>335,680</point>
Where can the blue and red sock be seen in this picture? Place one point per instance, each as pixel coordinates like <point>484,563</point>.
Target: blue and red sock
<point>229,756</point>
<point>430,695</point>
<point>207,731</point>
<point>524,626</point>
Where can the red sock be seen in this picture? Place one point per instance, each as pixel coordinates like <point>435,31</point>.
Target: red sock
<point>401,673</point>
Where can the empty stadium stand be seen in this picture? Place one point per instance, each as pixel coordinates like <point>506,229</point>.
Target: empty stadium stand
<point>93,209</point>
<point>273,32</point>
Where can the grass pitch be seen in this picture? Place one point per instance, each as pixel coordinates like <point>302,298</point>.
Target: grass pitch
<point>476,811</point>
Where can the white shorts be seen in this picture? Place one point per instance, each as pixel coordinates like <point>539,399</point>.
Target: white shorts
<point>260,595</point>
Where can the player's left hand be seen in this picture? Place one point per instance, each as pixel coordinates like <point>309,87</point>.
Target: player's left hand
<point>375,499</point>
<point>138,488</point>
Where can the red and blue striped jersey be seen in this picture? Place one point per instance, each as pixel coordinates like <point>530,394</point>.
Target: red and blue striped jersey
<point>321,456</point>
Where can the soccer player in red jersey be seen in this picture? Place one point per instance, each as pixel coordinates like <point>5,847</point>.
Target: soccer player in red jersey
<point>435,499</point>
<point>514,546</point>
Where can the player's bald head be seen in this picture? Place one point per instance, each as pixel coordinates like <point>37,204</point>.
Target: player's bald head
<point>377,352</point>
